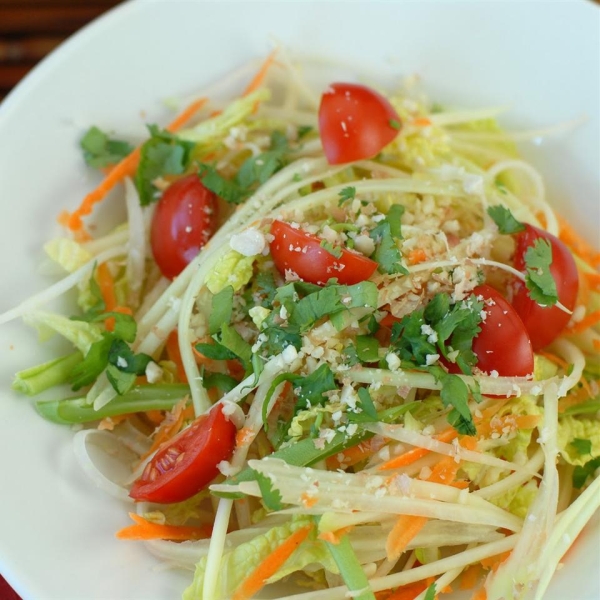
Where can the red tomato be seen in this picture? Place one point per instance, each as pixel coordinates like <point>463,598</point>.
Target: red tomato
<point>544,324</point>
<point>188,462</point>
<point>503,344</point>
<point>298,251</point>
<point>354,122</point>
<point>185,219</point>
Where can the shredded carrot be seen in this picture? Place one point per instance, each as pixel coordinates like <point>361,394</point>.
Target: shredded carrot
<point>405,529</point>
<point>147,530</point>
<point>446,590</point>
<point>568,235</point>
<point>125,168</point>
<point>354,454</point>
<point>307,500</point>
<point>409,592</point>
<point>259,78</point>
<point>169,426</point>
<point>109,423</point>
<point>156,417</point>
<point>493,562</point>
<point>107,286</point>
<point>175,355</point>
<point>334,537</point>
<point>592,279</point>
<point>270,565</point>
<point>583,294</point>
<point>577,397</point>
<point>416,453</point>
<point>416,256</point>
<point>470,577</point>
<point>589,321</point>
<point>596,344</point>
<point>480,594</point>
<point>421,122</point>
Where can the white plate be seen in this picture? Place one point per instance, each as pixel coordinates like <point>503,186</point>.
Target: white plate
<point>56,532</point>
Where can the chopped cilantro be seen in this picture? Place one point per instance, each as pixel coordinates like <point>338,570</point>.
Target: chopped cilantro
<point>384,235</point>
<point>505,220</point>
<point>366,404</point>
<point>395,124</point>
<point>99,151</point>
<point>163,154</point>
<point>271,496</point>
<point>254,171</point>
<point>234,342</point>
<point>350,355</point>
<point>367,348</point>
<point>348,193</point>
<point>222,307</point>
<point>333,250</point>
<point>455,393</point>
<point>224,383</point>
<point>539,280</point>
<point>581,474</point>
<point>582,447</point>
<point>304,130</point>
<point>215,351</point>
<point>311,389</point>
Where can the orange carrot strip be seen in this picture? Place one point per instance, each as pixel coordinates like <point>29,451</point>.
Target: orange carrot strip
<point>155,416</point>
<point>354,454</point>
<point>146,530</point>
<point>480,594</point>
<point>421,122</point>
<point>589,321</point>
<point>583,295</point>
<point>493,562</point>
<point>405,529</point>
<point>568,235</point>
<point>175,355</point>
<point>334,537</point>
<point>409,592</point>
<point>108,423</point>
<point>186,115</point>
<point>169,427</point>
<point>596,344</point>
<point>107,286</point>
<point>470,577</point>
<point>592,279</point>
<point>416,453</point>
<point>416,256</point>
<point>258,79</point>
<point>270,565</point>
<point>125,168</point>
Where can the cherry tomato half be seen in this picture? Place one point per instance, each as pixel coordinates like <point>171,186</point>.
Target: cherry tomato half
<point>355,122</point>
<point>544,323</point>
<point>188,463</point>
<point>503,344</point>
<point>301,252</point>
<point>185,219</point>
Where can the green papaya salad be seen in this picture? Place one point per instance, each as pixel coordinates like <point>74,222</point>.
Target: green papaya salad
<point>341,346</point>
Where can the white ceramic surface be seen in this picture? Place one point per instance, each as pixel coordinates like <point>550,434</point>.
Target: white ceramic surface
<point>56,531</point>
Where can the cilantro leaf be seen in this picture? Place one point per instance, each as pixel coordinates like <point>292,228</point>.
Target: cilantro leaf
<point>271,496</point>
<point>98,307</point>
<point>121,381</point>
<point>266,288</point>
<point>505,220</point>
<point>455,393</point>
<point>311,389</point>
<point>329,247</point>
<point>348,193</point>
<point>386,252</point>
<point>304,130</point>
<point>279,338</point>
<point>224,383</point>
<point>350,355</point>
<point>221,309</point>
<point>408,340</point>
<point>163,154</point>
<point>99,151</point>
<point>395,124</point>
<point>123,358</point>
<point>582,447</point>
<point>254,171</point>
<point>581,474</point>
<point>215,351</point>
<point>92,365</point>
<point>367,348</point>
<point>366,403</point>
<point>538,279</point>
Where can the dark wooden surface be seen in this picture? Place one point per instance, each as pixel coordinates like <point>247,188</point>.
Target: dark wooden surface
<point>30,29</point>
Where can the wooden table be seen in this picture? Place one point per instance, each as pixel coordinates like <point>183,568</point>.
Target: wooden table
<point>30,29</point>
